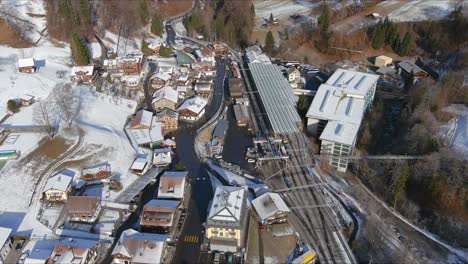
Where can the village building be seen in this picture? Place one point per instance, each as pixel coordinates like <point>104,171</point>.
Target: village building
<point>255,55</point>
<point>27,100</point>
<point>136,247</point>
<point>150,137</point>
<point>27,65</point>
<point>408,69</point>
<point>203,89</point>
<point>226,224</point>
<point>58,186</point>
<point>192,109</point>
<point>96,172</point>
<point>220,48</point>
<point>162,157</point>
<point>83,74</point>
<point>206,55</point>
<point>131,64</point>
<point>161,79</point>
<point>183,59</point>
<point>183,79</point>
<point>5,243</point>
<point>142,119</point>
<point>236,87</point>
<point>270,208</point>
<point>158,215</point>
<point>383,61</point>
<point>241,113</point>
<point>337,110</point>
<point>165,97</point>
<point>83,208</point>
<point>76,252</point>
<point>154,46</point>
<point>293,74</point>
<point>141,164</point>
<point>172,185</point>
<point>169,119</point>
<point>182,91</point>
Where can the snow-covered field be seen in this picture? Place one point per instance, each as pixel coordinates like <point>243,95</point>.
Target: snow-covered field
<point>282,9</point>
<point>95,50</point>
<point>420,10</point>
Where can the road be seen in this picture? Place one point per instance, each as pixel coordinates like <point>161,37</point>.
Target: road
<point>189,252</point>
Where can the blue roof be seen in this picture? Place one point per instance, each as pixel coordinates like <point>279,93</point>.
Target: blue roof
<point>174,174</point>
<point>161,150</point>
<point>163,203</point>
<point>183,58</point>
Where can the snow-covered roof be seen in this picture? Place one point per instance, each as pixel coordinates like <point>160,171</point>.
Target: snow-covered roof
<point>140,247</point>
<point>172,185</point>
<point>167,112</point>
<point>228,206</point>
<point>167,93</point>
<point>29,62</point>
<point>139,163</point>
<point>269,204</point>
<point>60,181</point>
<point>255,55</point>
<point>142,118</point>
<point>4,235</point>
<point>410,67</point>
<point>195,104</point>
<point>182,88</point>
<point>162,156</point>
<point>147,135</point>
<point>203,86</point>
<point>165,76</point>
<point>82,70</point>
<point>353,83</point>
<point>340,132</point>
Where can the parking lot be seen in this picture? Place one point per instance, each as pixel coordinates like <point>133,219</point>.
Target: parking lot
<point>219,257</point>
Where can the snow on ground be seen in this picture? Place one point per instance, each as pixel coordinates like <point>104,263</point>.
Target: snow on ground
<point>29,14</point>
<point>126,45</point>
<point>15,84</point>
<point>107,221</point>
<point>282,9</point>
<point>456,130</point>
<point>95,49</point>
<point>231,177</point>
<point>420,10</point>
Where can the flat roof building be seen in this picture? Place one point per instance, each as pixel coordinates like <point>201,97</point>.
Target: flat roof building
<point>337,110</point>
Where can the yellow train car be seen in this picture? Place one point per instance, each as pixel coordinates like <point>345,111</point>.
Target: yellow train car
<point>308,257</point>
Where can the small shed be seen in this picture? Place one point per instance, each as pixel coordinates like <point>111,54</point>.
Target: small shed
<point>382,61</point>
<point>27,65</point>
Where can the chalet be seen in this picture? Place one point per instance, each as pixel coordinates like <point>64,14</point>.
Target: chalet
<point>202,66</point>
<point>162,157</point>
<point>165,97</point>
<point>77,252</point>
<point>136,247</point>
<point>96,172</point>
<point>141,164</point>
<point>130,80</point>
<point>236,87</point>
<point>192,109</point>
<point>160,80</point>
<point>26,100</point>
<point>220,48</point>
<point>182,91</point>
<point>271,208</point>
<point>203,89</point>
<point>196,75</point>
<point>154,46</point>
<point>27,65</point>
<point>172,185</point>
<point>409,69</point>
<point>293,74</point>
<point>206,55</point>
<point>142,119</point>
<point>58,186</point>
<point>83,208</point>
<point>5,243</point>
<point>183,79</point>
<point>159,215</point>
<point>169,119</point>
<point>83,74</point>
<point>168,143</point>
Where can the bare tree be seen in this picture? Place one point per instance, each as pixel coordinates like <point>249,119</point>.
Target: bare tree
<point>43,116</point>
<point>67,102</point>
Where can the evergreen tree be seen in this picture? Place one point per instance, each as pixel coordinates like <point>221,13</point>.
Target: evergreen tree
<point>396,43</point>
<point>391,34</point>
<point>165,51</point>
<point>85,15</point>
<point>286,34</point>
<point>144,14</point>
<point>12,106</point>
<point>271,18</point>
<point>400,182</point>
<point>269,42</point>
<point>79,50</point>
<point>302,105</point>
<point>157,26</point>
<point>378,38</point>
<point>180,166</point>
<point>406,45</point>
<point>324,19</point>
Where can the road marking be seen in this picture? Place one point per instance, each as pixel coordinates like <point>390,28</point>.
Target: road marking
<point>191,239</point>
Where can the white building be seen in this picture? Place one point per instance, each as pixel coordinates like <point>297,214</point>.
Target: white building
<point>57,186</point>
<point>5,243</point>
<point>271,208</point>
<point>337,110</point>
<point>172,185</point>
<point>255,55</point>
<point>83,74</point>
<point>136,247</point>
<point>162,157</point>
<point>192,109</point>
